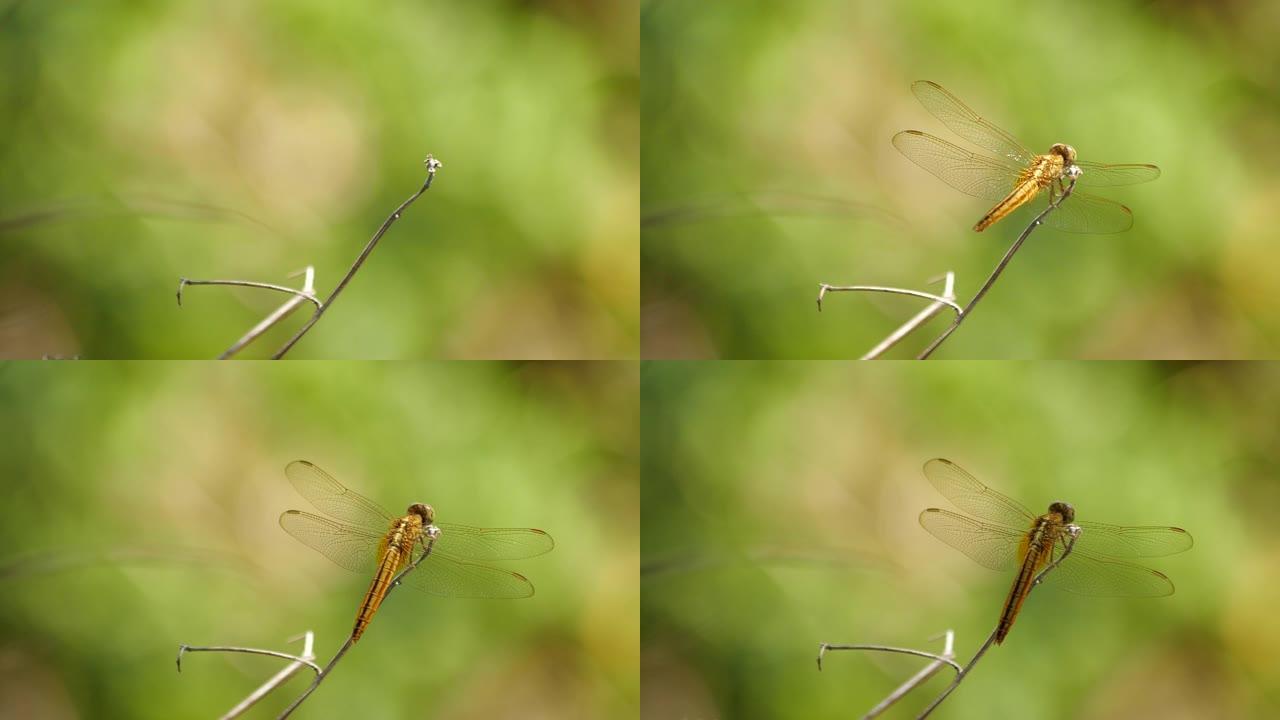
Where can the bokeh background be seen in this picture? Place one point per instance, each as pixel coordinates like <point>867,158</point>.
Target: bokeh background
<point>780,504</point>
<point>139,511</point>
<point>768,169</point>
<point>147,141</point>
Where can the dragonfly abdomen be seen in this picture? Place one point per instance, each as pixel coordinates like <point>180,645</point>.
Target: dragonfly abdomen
<point>399,546</point>
<point>1039,547</point>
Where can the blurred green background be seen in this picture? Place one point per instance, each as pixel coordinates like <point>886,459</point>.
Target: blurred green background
<point>768,169</point>
<point>779,506</point>
<point>139,511</point>
<point>144,141</point>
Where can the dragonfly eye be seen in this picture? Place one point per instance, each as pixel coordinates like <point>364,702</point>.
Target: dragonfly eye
<point>426,512</point>
<point>1067,512</point>
<point>1067,152</point>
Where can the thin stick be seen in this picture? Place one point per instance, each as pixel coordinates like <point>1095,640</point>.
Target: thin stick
<point>432,165</point>
<point>276,680</point>
<point>306,294</point>
<point>946,299</point>
<point>303,294</point>
<point>1054,202</point>
<point>1074,532</point>
<point>432,533</point>
<point>939,661</point>
<point>299,662</point>
<point>925,315</point>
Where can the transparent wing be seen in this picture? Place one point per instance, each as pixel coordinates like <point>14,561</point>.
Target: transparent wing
<point>1103,175</point>
<point>1085,574</point>
<point>990,546</point>
<point>965,492</point>
<point>1085,213</point>
<point>968,124</point>
<point>1119,541</point>
<point>446,577</point>
<point>333,498</point>
<point>972,174</point>
<point>465,542</point>
<point>352,548</point>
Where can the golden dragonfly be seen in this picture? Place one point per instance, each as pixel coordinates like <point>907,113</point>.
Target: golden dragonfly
<point>1010,536</point>
<point>1014,175</point>
<point>363,537</point>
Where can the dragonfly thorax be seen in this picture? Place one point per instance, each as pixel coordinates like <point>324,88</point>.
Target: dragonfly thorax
<point>426,512</point>
<point>1067,512</point>
<point>1066,152</point>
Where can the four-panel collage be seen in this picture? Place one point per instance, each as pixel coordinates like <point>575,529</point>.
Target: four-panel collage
<point>585,289</point>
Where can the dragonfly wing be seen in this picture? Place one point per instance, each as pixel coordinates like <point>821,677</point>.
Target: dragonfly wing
<point>968,124</point>
<point>333,498</point>
<point>476,543</point>
<point>1085,213</point>
<point>352,548</point>
<point>965,492</point>
<point>446,577</point>
<point>988,545</point>
<point>1085,574</point>
<point>1119,541</point>
<point>972,174</point>
<point>1103,175</point>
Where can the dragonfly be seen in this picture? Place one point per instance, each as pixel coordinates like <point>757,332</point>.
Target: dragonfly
<point>1014,176</point>
<point>362,537</point>
<point>1008,536</point>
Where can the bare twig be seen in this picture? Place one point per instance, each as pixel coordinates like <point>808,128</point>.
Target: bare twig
<point>299,662</point>
<point>946,658</point>
<point>1073,533</point>
<point>947,299</point>
<point>432,166</point>
<point>431,532</point>
<point>307,294</point>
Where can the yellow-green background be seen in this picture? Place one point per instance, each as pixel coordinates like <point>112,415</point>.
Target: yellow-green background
<point>768,169</point>
<point>779,506</point>
<point>144,141</point>
<point>139,509</point>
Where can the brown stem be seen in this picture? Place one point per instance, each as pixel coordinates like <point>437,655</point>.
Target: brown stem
<point>432,166</point>
<point>995,274</point>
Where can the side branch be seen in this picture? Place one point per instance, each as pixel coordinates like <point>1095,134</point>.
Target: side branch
<point>945,300</point>
<point>299,662</point>
<point>306,294</point>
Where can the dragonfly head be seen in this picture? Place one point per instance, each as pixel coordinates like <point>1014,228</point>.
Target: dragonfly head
<point>1067,153</point>
<point>428,513</point>
<point>1067,512</point>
